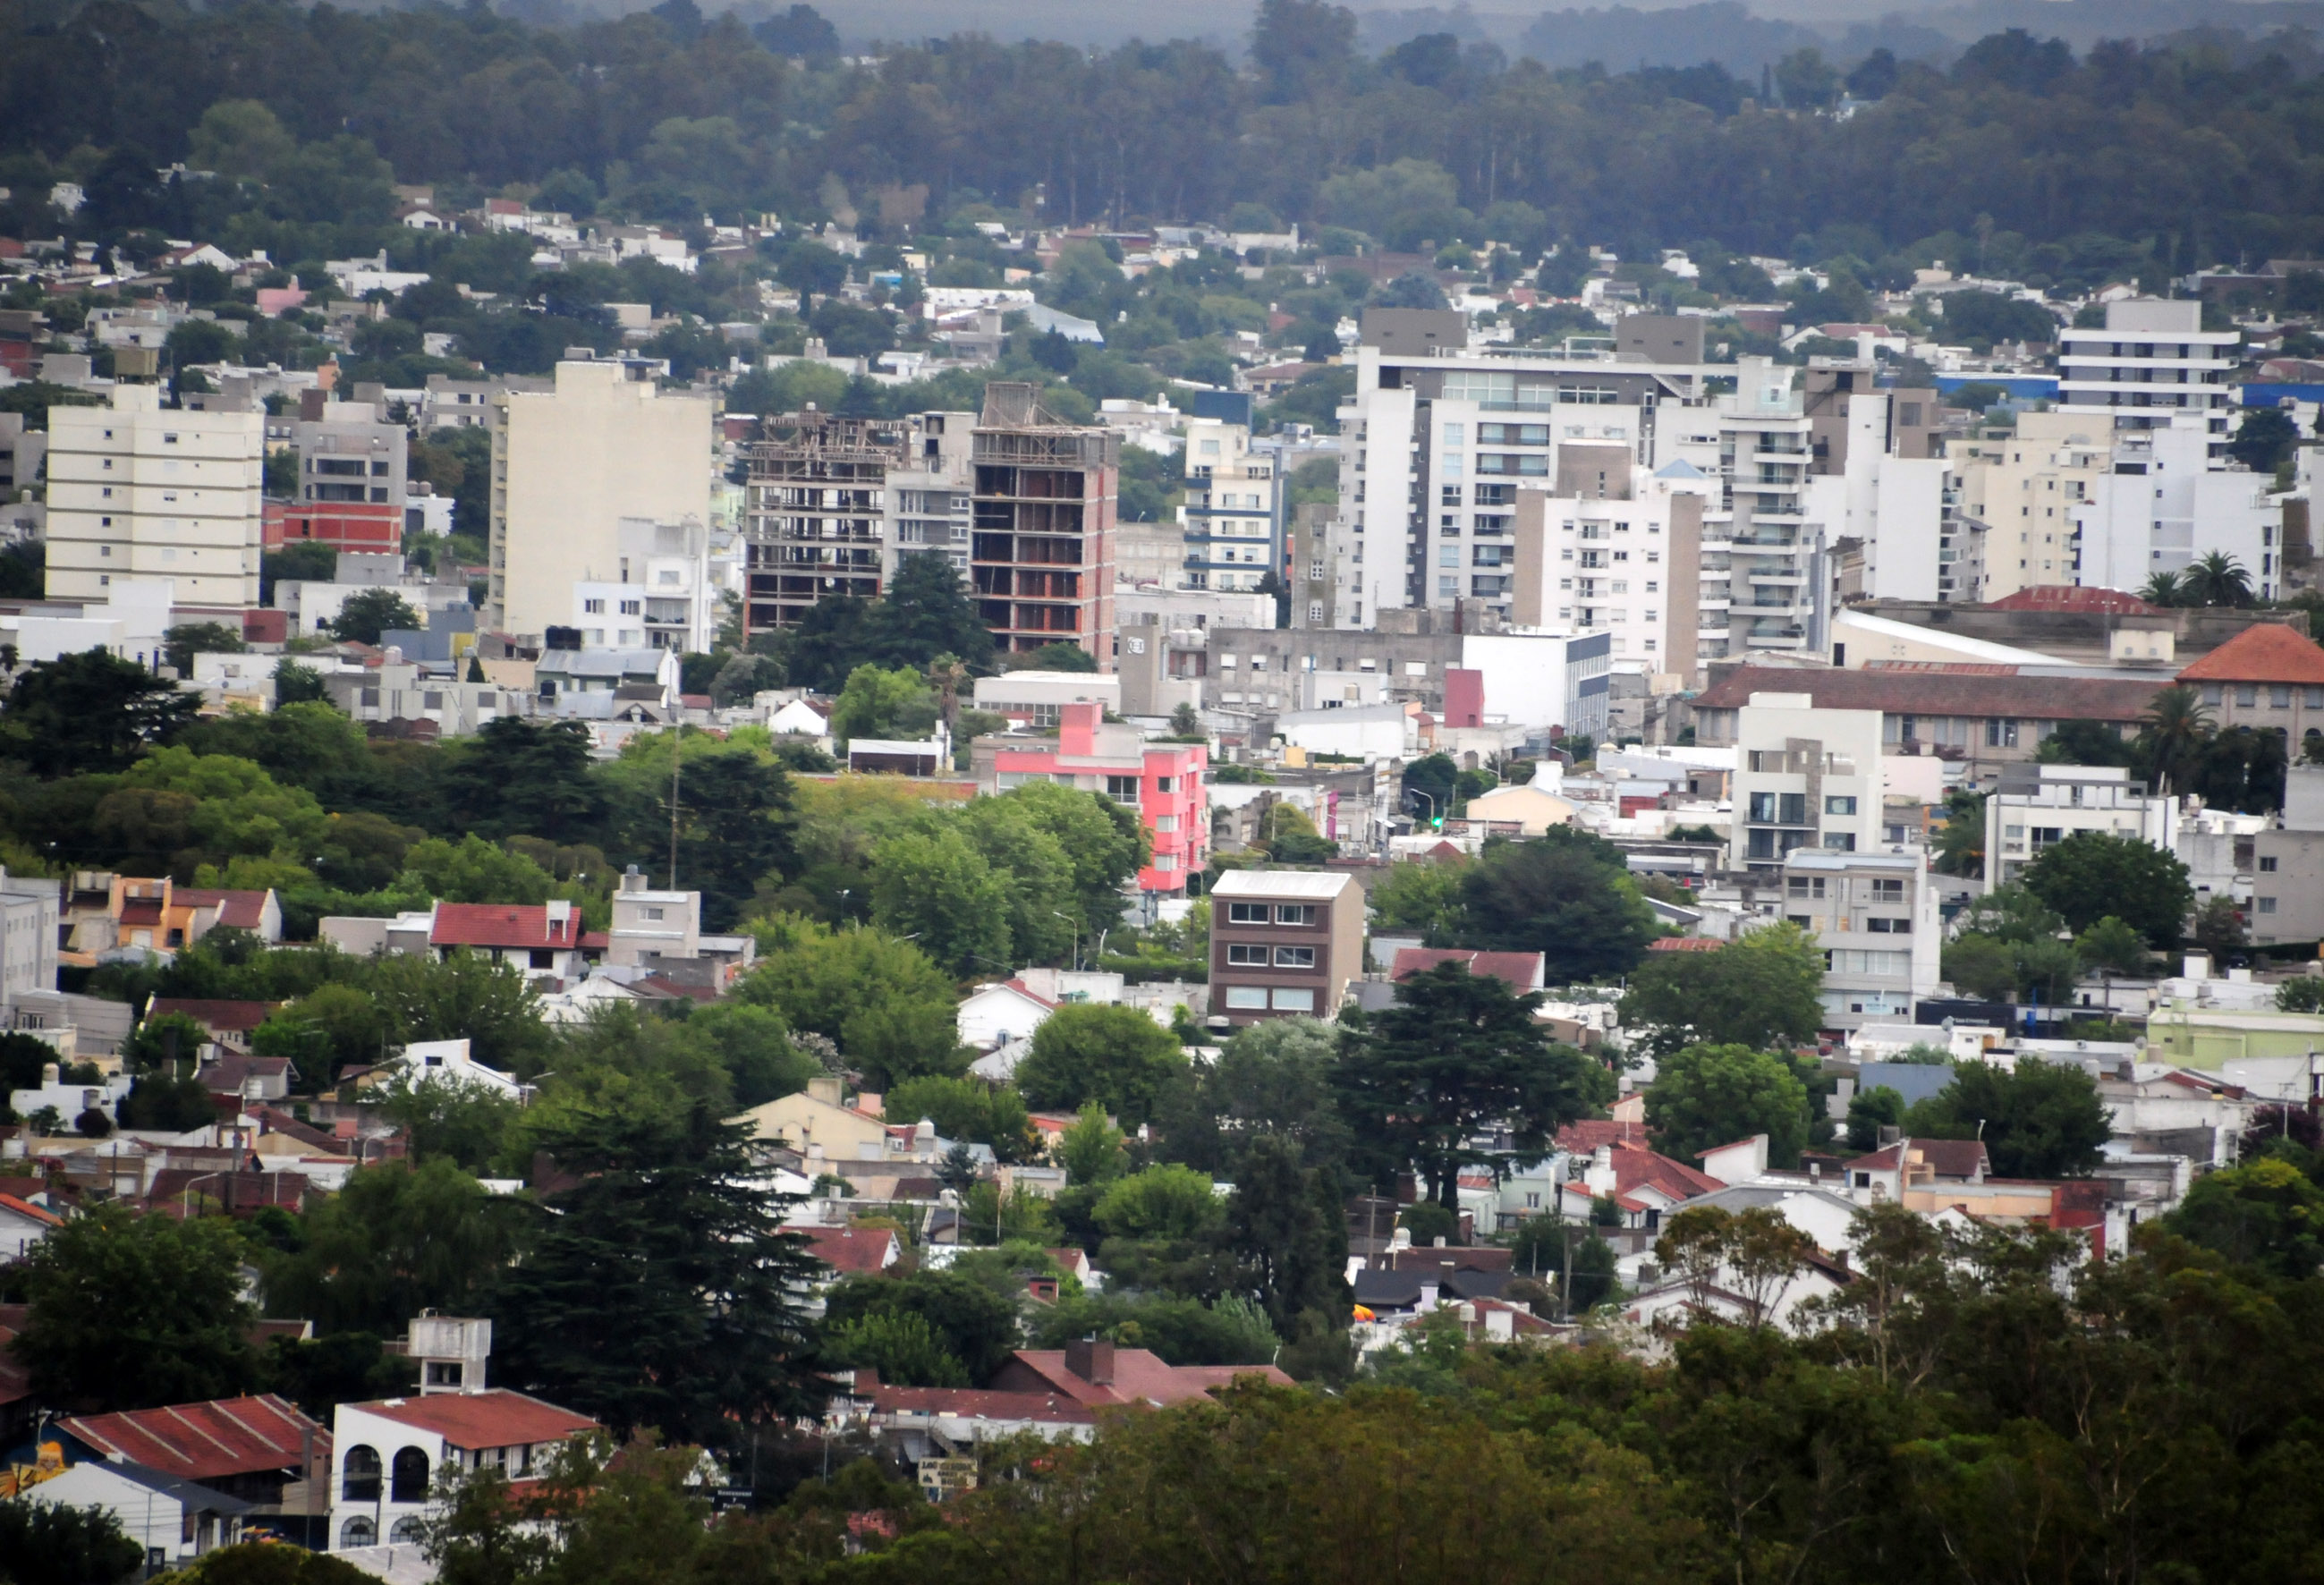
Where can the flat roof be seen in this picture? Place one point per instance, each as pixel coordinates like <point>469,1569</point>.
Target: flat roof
<point>1281,883</point>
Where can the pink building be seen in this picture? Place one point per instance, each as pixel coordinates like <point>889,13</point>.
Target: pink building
<point>1167,783</point>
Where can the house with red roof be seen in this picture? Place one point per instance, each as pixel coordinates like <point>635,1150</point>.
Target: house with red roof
<point>257,1449</point>
<point>543,940</point>
<point>1645,1186</point>
<point>22,1224</point>
<point>991,1016</point>
<point>389,1452</point>
<point>2270,678</point>
<point>1097,1375</point>
<point>940,1422</point>
<point>228,1023</point>
<point>1522,971</point>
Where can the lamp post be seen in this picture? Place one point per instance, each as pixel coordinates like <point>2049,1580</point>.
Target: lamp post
<point>1415,792</point>
<point>1076,924</point>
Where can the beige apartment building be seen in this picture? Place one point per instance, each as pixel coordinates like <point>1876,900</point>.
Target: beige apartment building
<point>568,464</point>
<point>2026,486</point>
<point>139,491</point>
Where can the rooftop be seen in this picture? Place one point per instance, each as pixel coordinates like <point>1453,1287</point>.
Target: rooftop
<point>1940,692</point>
<point>206,1440</point>
<point>493,1418</point>
<point>502,925</point>
<point>1275,883</point>
<point>2264,652</point>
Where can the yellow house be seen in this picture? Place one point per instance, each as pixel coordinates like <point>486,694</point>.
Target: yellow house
<point>819,1116</point>
<point>1521,811</point>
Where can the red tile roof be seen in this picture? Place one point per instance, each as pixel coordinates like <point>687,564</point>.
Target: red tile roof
<point>502,924</point>
<point>496,1418</point>
<point>2075,597</point>
<point>220,1016</point>
<point>1684,944</point>
<point>852,1248</point>
<point>1582,1137</point>
<point>1922,692</point>
<point>141,913</point>
<point>2263,652</point>
<point>1637,1167</point>
<point>1028,993</point>
<point>26,1208</point>
<point>243,911</point>
<point>1140,1376</point>
<point>1960,1159</point>
<point>1046,1406</point>
<point>1520,970</point>
<point>204,1442</point>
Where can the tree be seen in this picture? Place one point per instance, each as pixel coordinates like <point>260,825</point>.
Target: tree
<point>1115,1057</point>
<point>878,703</point>
<point>2304,995</point>
<point>926,616</point>
<point>968,1110</point>
<point>2264,440</point>
<point>394,1241</point>
<point>1284,1223</point>
<point>663,1291</point>
<point>936,888</point>
<point>1961,840</point>
<point>2094,875</point>
<point>2264,1214</point>
<point>130,1311</point>
<point>880,999</point>
<point>2176,726</point>
<point>2218,929</point>
<point>2217,578</point>
<point>295,683</point>
<point>1185,721</point>
<point>1567,895</point>
<point>1091,1151</point>
<point>1418,895</point>
<point>1760,991</point>
<point>1869,1111</point>
<point>91,711</point>
<point>971,1323</point>
<point>486,1001</point>
<point>802,32</point>
<point>369,613</point>
<point>265,1563</point>
<point>1706,1096</point>
<point>1164,1202</point>
<point>2041,1120</point>
<point>518,776</point>
<point>1753,1254</point>
<point>50,1544</point>
<point>181,643</point>
<point>811,269</point>
<point>1455,1052</point>
<point>2110,944</point>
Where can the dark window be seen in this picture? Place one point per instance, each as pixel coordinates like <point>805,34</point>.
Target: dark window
<point>409,1483</point>
<point>360,1474</point>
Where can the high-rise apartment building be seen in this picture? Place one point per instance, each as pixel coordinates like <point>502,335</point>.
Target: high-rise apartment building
<point>2028,486</point>
<point>1805,778</point>
<point>2159,503</point>
<point>1627,562</point>
<point>1763,553</point>
<point>139,491</point>
<point>1041,544</point>
<point>352,477</point>
<point>1233,510</point>
<point>2151,362</point>
<point>568,464</point>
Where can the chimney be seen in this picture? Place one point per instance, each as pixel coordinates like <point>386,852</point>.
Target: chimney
<point>1092,1360</point>
<point>633,879</point>
<point>1428,1292</point>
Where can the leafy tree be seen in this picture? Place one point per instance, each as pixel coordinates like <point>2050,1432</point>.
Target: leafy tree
<point>2172,735</point>
<point>518,776</point>
<point>663,1291</point>
<point>369,613</point>
<point>1753,1254</point>
<point>51,1544</point>
<point>2110,944</point>
<point>2216,579</point>
<point>1540,1251</point>
<point>1869,1111</point>
<point>1166,1201</point>
<point>168,1104</point>
<point>971,1323</point>
<point>90,712</point>
<point>2218,929</point>
<point>131,1312</point>
<point>2264,440</point>
<point>2265,1213</point>
<point>489,1003</point>
<point>1706,1096</point>
<point>260,1562</point>
<point>880,998</point>
<point>968,1110</point>
<point>938,888</point>
<point>1567,895</point>
<point>902,1346</point>
<point>1456,1053</point>
<point>1760,991</point>
<point>2086,743</point>
<point>2093,875</point>
<point>1271,1080</point>
<point>1182,1330</point>
<point>1422,895</point>
<point>1961,840</point>
<point>2043,1120</point>
<point>1115,1057</point>
<point>181,643</point>
<point>395,1241</point>
<point>878,703</point>
<point>1091,1150</point>
<point>1284,1223</point>
<point>2304,995</point>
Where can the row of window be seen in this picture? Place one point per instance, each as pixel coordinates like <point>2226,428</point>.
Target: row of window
<point>1879,889</point>
<point>1768,808</point>
<point>1271,912</point>
<point>1282,998</point>
<point>1246,956</point>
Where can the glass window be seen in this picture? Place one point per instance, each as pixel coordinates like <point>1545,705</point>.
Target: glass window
<point>1294,957</point>
<point>1246,996</point>
<point>1247,913</point>
<point>1121,789</point>
<point>1839,805</point>
<point>1295,914</point>
<point>1291,1000</point>
<point>1245,955</point>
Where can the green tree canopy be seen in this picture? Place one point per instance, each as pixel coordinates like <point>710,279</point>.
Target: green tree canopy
<point>2041,1121</point>
<point>1113,1057</point>
<point>2093,875</point>
<point>1706,1096</point>
<point>90,712</point>
<point>1760,991</point>
<point>1567,895</point>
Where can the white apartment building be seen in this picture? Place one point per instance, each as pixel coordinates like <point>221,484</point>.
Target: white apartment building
<point>138,492</point>
<point>1805,778</point>
<point>1233,510</point>
<point>2028,487</point>
<point>2160,504</point>
<point>1875,916</point>
<point>1627,562</point>
<point>664,598</point>
<point>1896,507</point>
<point>1763,554</point>
<point>650,924</point>
<point>2037,806</point>
<point>29,913</point>
<point>2151,362</point>
<point>568,466</point>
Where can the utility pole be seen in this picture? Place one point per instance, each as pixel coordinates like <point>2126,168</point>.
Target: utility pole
<point>677,757</point>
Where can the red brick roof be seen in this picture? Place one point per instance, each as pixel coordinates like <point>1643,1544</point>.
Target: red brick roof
<point>244,910</point>
<point>502,925</point>
<point>852,1248</point>
<point>1684,944</point>
<point>2264,652</point>
<point>1140,1376</point>
<point>2075,597</point>
<point>1919,693</point>
<point>969,1404</point>
<point>1962,1159</point>
<point>142,912</point>
<point>1520,970</point>
<point>1583,1137</point>
<point>497,1418</point>
<point>26,1208</point>
<point>237,1018</point>
<point>1637,1167</point>
<point>204,1442</point>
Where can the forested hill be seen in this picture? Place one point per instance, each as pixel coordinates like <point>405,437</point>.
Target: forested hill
<point>2179,155</point>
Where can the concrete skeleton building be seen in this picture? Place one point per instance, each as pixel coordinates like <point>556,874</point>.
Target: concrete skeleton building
<point>1040,549</point>
<point>138,492</point>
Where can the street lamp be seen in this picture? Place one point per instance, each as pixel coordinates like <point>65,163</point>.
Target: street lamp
<point>1076,924</point>
<point>1419,793</point>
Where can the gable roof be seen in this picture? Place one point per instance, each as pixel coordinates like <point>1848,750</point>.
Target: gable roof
<point>969,1404</point>
<point>496,1417</point>
<point>1939,693</point>
<point>237,1018</point>
<point>26,1208</point>
<point>502,925</point>
<point>1140,1376</point>
<point>241,909</point>
<point>1520,970</point>
<point>1637,1167</point>
<point>852,1248</point>
<point>206,1440</point>
<point>2263,652</point>
<point>1960,1159</point>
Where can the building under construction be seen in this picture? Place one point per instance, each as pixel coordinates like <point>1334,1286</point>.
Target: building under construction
<point>1041,555</point>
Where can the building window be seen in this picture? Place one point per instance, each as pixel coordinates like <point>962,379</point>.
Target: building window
<point>1294,957</point>
<point>1295,913</point>
<point>1805,885</point>
<point>593,607</point>
<point>2000,735</point>
<point>1839,805</point>
<point>1244,954</point>
<point>1889,926</point>
<point>1290,1000</point>
<point>2267,905</point>
<point>359,1474</point>
<point>1121,789</point>
<point>409,1482</point>
<point>358,1531</point>
<point>653,914</point>
<point>1247,998</point>
<point>1840,842</point>
<point>1887,891</point>
<point>2267,865</point>
<point>1247,913</point>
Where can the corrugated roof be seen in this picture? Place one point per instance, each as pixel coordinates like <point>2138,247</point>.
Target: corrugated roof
<point>1945,693</point>
<point>2266,652</point>
<point>1275,883</point>
<point>502,924</point>
<point>495,1418</point>
<point>207,1440</point>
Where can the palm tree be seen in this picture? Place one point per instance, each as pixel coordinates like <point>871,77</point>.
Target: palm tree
<point>2162,589</point>
<point>2218,579</point>
<point>2177,729</point>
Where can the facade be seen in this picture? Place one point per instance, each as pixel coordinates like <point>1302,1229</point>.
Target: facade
<point>399,691</point>
<point>568,466</point>
<point>1233,510</point>
<point>1168,783</point>
<point>138,492</point>
<point>1904,422</point>
<point>1038,698</point>
<point>2154,360</point>
<point>2288,864</point>
<point>1040,548</point>
<point>389,1452</point>
<point>1762,559</point>
<point>1284,942</point>
<point>2267,677</point>
<point>650,924</point>
<point>353,476</point>
<point>663,596</point>
<point>2037,806</point>
<point>542,940</point>
<point>171,1520</point>
<point>2163,504</point>
<point>30,913</point>
<point>2029,488</point>
<point>1874,481</point>
<point>1805,778</point>
<point>1874,915</point>
<point>1626,560</point>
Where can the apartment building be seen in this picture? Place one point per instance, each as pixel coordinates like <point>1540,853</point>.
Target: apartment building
<point>1284,943</point>
<point>568,466</point>
<point>1874,915</point>
<point>1875,483</point>
<point>2037,806</point>
<point>1041,540</point>
<point>2162,503</point>
<point>1627,562</point>
<point>21,452</point>
<point>1167,784</point>
<point>2151,362</point>
<point>1805,778</point>
<point>2288,864</point>
<point>352,481</point>
<point>1910,424</point>
<point>1234,510</point>
<point>138,492</point>
<point>1763,557</point>
<point>2028,486</point>
<point>662,595</point>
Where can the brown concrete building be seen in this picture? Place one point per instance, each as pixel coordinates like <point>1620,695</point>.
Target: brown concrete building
<point>1041,547</point>
<point>1284,942</point>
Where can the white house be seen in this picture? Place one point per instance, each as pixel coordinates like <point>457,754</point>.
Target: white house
<point>173,1520</point>
<point>448,1062</point>
<point>22,1224</point>
<point>995,1015</point>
